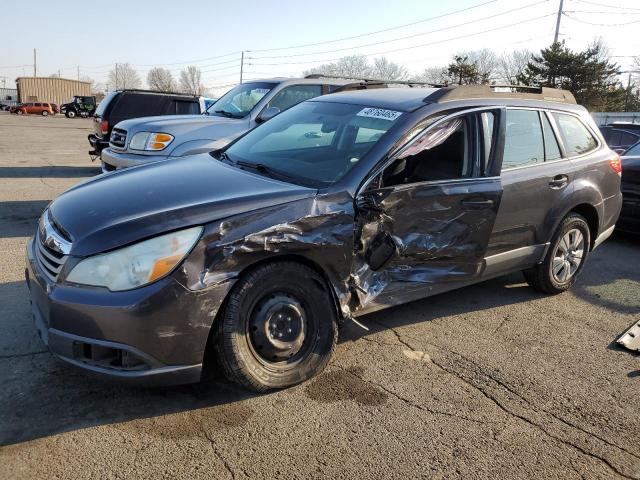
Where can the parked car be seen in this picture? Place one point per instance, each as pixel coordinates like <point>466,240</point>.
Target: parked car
<point>80,106</point>
<point>135,142</point>
<point>342,205</point>
<point>38,108</point>
<point>122,105</point>
<point>621,135</point>
<point>55,108</point>
<point>630,215</point>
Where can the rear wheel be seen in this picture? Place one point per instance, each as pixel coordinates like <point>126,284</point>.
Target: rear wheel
<point>278,328</point>
<point>70,114</point>
<point>19,112</point>
<point>565,257</point>
<point>45,113</point>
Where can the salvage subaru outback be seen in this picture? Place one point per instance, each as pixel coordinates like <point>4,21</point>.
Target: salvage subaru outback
<point>345,204</point>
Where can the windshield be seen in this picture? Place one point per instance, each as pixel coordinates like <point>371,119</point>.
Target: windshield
<point>313,143</point>
<point>239,101</point>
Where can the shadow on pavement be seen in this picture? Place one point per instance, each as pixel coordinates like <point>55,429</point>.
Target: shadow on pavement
<point>49,171</point>
<point>20,218</point>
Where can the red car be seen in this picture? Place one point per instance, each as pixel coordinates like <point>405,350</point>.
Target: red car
<point>40,108</point>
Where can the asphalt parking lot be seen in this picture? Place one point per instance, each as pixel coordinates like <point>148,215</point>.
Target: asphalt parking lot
<point>494,380</point>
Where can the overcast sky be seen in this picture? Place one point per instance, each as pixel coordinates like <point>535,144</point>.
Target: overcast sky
<point>211,34</point>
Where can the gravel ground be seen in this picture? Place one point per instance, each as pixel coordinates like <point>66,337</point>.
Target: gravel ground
<point>491,381</point>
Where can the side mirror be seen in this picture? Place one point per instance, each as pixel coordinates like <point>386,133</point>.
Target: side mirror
<point>268,114</point>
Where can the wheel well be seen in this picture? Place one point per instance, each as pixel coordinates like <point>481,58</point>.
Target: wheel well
<point>208,357</point>
<point>591,216</point>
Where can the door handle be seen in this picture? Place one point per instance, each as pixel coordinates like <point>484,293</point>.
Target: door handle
<point>476,204</point>
<point>559,181</point>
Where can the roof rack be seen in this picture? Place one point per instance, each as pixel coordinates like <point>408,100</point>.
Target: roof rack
<point>377,81</point>
<point>142,90</point>
<point>466,92</point>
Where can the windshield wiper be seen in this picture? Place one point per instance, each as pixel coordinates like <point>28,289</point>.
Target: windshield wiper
<point>227,114</point>
<point>262,168</point>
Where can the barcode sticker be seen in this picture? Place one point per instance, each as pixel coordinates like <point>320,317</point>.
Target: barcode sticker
<point>381,113</point>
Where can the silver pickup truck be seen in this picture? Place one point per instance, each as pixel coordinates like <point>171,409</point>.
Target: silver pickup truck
<point>143,140</point>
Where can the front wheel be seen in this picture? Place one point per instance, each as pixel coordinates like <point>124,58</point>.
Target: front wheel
<point>19,112</point>
<point>278,327</point>
<point>565,257</point>
<point>45,113</point>
<point>70,114</point>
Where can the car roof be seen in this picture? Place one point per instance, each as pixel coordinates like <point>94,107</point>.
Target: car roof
<point>400,99</point>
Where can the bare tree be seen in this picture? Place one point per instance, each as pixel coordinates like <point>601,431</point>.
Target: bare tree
<point>435,75</point>
<point>511,66</point>
<point>385,69</point>
<point>160,79</point>
<point>353,66</point>
<point>485,61</point>
<point>124,76</point>
<point>191,80</point>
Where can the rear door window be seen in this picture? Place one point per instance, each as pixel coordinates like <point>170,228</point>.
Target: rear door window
<point>551,147</point>
<point>524,143</point>
<point>576,137</point>
<point>131,105</point>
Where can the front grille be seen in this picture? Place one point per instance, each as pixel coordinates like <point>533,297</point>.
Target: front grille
<point>49,260</point>
<point>52,247</point>
<point>118,138</point>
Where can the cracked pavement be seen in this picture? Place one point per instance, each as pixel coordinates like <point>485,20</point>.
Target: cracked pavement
<point>491,381</point>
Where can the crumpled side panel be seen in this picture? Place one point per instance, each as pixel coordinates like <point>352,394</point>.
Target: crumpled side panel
<point>319,229</point>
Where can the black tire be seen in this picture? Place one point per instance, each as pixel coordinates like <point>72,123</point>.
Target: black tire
<point>247,353</point>
<point>19,112</point>
<point>45,113</point>
<point>541,277</point>
<point>70,114</point>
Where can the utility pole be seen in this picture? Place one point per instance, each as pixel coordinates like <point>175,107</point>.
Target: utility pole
<point>78,72</point>
<point>35,71</point>
<point>555,37</point>
<point>116,76</point>
<point>241,64</point>
<point>628,94</point>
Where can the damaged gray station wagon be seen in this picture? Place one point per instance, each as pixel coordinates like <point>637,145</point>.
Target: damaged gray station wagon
<point>251,256</point>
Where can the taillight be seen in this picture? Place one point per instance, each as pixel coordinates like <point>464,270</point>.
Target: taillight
<point>616,164</point>
<point>104,127</point>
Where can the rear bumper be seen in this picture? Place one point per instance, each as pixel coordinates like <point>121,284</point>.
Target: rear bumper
<point>630,215</point>
<point>97,144</point>
<point>117,160</point>
<point>153,335</point>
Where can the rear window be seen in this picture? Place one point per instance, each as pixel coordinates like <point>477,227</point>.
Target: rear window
<point>105,103</point>
<point>131,105</point>
<point>182,107</point>
<point>576,137</point>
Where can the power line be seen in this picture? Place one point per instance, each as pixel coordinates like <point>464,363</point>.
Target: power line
<point>414,46</point>
<point>601,24</point>
<point>606,5</point>
<point>404,37</point>
<point>377,31</point>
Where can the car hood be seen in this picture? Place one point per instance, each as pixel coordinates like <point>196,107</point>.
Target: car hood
<point>119,208</point>
<point>175,124</point>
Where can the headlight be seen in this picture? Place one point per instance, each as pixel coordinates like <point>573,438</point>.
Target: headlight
<point>137,264</point>
<point>150,141</point>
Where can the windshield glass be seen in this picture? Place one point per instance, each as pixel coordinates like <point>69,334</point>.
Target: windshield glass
<point>239,101</point>
<point>103,104</point>
<point>313,143</point>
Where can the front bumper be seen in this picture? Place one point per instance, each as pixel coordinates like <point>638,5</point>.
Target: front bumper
<point>97,144</point>
<point>114,160</point>
<point>153,335</point>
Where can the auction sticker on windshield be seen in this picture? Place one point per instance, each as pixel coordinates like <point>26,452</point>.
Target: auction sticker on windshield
<point>381,113</point>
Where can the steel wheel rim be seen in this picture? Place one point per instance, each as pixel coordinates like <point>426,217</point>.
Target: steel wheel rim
<point>568,255</point>
<point>279,331</point>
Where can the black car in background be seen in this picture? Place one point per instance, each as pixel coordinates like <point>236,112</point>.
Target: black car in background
<point>630,215</point>
<point>122,105</point>
<point>339,206</point>
<point>621,135</point>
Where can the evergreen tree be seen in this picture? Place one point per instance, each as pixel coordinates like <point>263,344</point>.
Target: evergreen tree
<point>589,75</point>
